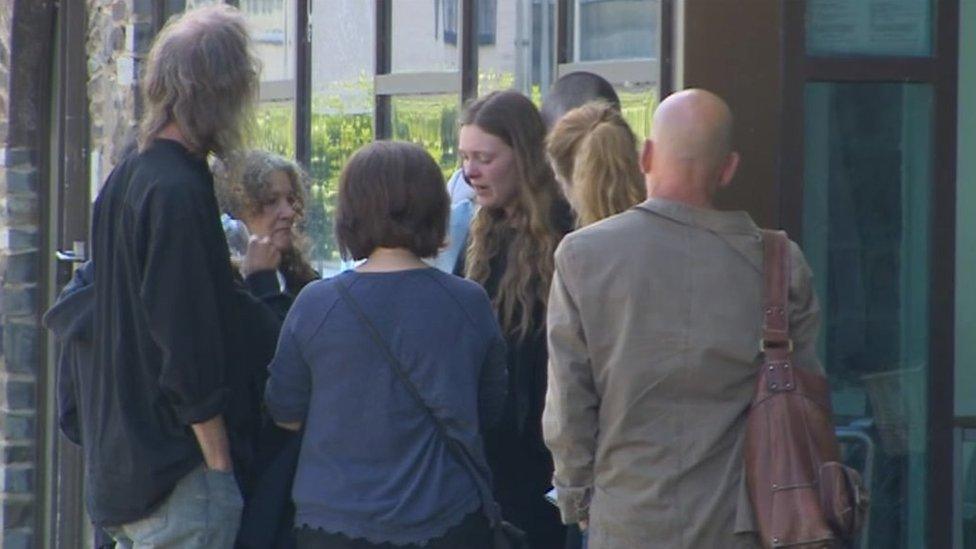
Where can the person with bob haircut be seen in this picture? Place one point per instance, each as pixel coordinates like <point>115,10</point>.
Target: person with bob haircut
<point>160,405</point>
<point>374,468</point>
<point>520,221</point>
<point>593,153</point>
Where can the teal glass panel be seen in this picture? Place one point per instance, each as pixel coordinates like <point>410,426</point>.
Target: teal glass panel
<point>866,219</point>
<point>965,378</point>
<point>965,534</point>
<point>869,27</point>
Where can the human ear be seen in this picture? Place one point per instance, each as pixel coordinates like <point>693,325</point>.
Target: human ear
<point>729,169</point>
<point>646,158</point>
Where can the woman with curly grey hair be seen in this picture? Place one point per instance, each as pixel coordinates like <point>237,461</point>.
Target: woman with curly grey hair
<point>267,193</point>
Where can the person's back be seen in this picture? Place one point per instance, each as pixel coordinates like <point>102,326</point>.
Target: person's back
<point>654,324</point>
<point>163,406</point>
<point>372,465</point>
<point>143,389</point>
<point>670,304</point>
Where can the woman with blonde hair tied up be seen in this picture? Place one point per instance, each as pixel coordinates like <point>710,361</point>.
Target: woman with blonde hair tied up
<point>593,153</point>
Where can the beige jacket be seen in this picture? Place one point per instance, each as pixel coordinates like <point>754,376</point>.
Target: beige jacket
<point>654,325</point>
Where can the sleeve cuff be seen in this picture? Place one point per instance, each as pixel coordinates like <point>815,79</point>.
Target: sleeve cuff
<point>262,283</point>
<point>574,504</point>
<point>205,409</point>
<point>285,415</point>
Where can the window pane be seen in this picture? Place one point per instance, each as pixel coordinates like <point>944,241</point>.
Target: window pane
<point>274,128</point>
<point>965,376</point>
<point>966,454</point>
<point>431,122</point>
<point>520,55</point>
<point>869,27</point>
<point>637,105</point>
<point>866,234</point>
<point>342,111</point>
<point>425,35</point>
<point>614,29</point>
<point>272,26</point>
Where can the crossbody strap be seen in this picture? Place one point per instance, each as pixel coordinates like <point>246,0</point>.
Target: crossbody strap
<point>776,289</point>
<point>489,506</point>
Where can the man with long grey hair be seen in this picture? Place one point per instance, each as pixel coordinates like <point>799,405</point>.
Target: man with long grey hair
<point>156,404</point>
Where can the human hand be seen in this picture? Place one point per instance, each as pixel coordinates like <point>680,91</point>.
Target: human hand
<point>261,255</point>
<point>583,524</point>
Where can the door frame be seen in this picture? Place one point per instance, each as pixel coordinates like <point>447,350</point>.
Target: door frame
<point>939,70</point>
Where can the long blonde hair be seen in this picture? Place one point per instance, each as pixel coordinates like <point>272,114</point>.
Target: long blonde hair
<point>594,152</point>
<point>202,75</point>
<point>530,232</point>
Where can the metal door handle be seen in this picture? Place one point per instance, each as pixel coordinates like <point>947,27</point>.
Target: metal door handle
<point>75,255</point>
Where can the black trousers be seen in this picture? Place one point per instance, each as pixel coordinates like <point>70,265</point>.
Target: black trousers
<point>471,533</point>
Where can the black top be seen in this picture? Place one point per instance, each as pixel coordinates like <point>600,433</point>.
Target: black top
<point>163,329</point>
<point>519,460</point>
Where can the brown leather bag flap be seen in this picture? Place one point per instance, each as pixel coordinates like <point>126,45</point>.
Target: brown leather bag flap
<point>843,499</point>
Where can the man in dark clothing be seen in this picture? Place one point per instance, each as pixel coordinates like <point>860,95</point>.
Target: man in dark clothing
<point>158,406</point>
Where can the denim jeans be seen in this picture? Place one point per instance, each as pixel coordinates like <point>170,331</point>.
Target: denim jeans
<point>203,511</point>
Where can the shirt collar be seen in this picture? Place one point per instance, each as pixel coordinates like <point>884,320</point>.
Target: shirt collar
<point>728,222</point>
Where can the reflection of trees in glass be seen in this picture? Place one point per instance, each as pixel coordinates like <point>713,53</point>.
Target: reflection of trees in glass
<point>431,122</point>
<point>638,110</point>
<point>342,122</point>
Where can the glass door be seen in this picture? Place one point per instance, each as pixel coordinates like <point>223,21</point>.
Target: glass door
<point>866,217</point>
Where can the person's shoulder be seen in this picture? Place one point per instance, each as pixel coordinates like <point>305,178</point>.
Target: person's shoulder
<point>461,288</point>
<point>470,295</point>
<point>319,289</point>
<point>313,303</point>
<point>608,234</point>
<point>169,168</point>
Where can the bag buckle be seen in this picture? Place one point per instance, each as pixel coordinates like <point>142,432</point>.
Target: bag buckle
<point>763,345</point>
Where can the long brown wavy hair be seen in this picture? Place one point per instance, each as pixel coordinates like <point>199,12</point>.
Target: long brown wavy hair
<point>530,232</point>
<point>201,74</point>
<point>243,185</point>
<point>594,153</point>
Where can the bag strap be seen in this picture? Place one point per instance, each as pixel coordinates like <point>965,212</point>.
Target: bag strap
<point>489,506</point>
<point>776,290</point>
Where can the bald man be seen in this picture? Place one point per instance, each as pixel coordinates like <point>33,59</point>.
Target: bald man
<point>654,321</point>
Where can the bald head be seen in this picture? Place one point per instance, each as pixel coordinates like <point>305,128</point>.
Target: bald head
<point>690,152</point>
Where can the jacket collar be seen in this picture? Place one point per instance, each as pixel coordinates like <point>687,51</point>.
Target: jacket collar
<point>726,222</point>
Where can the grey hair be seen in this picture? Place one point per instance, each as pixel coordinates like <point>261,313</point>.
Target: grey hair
<point>243,184</point>
<point>202,75</point>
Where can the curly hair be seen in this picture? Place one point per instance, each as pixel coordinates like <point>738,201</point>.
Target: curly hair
<point>202,75</point>
<point>243,185</point>
<point>529,234</point>
<point>594,153</point>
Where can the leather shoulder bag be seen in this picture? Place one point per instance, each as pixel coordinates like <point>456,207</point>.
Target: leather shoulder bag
<point>504,534</point>
<point>802,496</point>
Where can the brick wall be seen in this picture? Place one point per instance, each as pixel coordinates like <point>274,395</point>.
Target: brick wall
<point>20,338</point>
<point>119,35</point>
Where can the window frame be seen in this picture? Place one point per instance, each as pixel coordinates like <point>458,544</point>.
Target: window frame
<point>940,71</point>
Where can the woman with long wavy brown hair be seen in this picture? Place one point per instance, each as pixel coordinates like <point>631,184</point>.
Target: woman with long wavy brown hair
<point>520,221</point>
